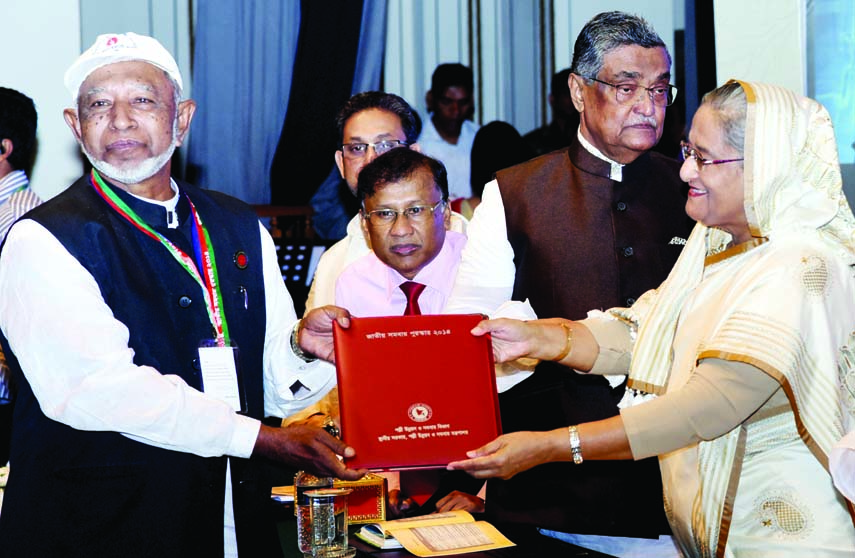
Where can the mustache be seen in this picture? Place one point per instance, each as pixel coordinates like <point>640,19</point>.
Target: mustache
<point>645,120</point>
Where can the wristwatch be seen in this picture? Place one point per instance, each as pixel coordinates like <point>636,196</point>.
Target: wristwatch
<point>295,343</point>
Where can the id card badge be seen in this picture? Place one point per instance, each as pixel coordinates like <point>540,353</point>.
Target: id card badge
<point>221,376</point>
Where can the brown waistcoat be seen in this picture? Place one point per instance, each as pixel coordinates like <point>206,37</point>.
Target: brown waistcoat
<point>583,241</point>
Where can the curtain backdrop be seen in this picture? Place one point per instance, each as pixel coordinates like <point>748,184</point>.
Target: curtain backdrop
<point>321,82</point>
<point>243,62</point>
<point>333,203</point>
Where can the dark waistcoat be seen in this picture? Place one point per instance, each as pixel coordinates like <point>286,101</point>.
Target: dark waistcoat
<point>583,241</point>
<point>85,493</point>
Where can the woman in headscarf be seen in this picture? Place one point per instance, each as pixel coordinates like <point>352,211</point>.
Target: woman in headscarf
<point>742,363</point>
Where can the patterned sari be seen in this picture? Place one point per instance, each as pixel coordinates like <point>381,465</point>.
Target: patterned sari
<point>784,303</point>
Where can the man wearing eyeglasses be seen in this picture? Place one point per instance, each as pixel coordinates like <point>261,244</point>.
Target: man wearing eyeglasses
<point>406,218</point>
<point>369,124</point>
<point>406,215</point>
<point>593,225</point>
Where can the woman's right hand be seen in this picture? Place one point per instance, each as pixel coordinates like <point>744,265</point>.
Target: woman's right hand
<point>512,339</point>
<point>556,339</point>
<point>514,453</point>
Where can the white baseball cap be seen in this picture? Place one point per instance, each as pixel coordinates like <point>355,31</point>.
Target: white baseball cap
<point>123,47</point>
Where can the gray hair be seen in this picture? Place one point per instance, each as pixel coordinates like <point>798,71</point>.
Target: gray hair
<point>177,93</point>
<point>730,106</point>
<point>606,32</point>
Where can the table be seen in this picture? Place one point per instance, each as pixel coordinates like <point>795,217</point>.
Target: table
<point>529,542</point>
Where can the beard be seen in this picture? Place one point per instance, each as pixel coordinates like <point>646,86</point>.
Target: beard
<point>141,171</point>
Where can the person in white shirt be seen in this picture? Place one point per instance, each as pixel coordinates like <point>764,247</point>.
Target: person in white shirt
<point>18,121</point>
<point>149,331</point>
<point>449,130</point>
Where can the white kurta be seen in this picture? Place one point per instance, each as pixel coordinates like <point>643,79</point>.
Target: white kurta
<point>751,307</point>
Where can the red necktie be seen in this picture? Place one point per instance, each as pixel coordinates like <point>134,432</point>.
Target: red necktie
<point>412,290</point>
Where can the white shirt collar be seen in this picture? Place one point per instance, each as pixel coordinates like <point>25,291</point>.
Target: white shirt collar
<point>616,172</point>
<point>169,205</point>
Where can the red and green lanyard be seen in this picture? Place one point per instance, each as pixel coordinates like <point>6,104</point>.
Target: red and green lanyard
<point>202,248</point>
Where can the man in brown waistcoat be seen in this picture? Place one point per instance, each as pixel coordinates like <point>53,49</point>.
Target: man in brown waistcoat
<point>591,226</point>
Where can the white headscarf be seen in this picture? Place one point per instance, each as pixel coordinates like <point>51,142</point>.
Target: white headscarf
<point>792,182</point>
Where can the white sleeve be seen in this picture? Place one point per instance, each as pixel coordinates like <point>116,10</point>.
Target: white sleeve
<point>282,368</point>
<point>485,278</point>
<point>322,290</point>
<point>75,356</point>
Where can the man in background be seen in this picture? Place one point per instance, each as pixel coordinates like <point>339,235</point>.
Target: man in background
<point>591,226</point>
<point>18,121</point>
<point>449,131</point>
<point>369,124</point>
<point>565,118</point>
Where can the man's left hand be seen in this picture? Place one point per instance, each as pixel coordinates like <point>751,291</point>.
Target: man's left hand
<point>458,500</point>
<point>306,447</point>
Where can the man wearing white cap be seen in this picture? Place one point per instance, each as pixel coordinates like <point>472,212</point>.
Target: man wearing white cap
<point>148,329</point>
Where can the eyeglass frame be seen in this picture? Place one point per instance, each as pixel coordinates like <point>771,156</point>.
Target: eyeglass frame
<point>429,211</point>
<point>671,88</point>
<point>400,143</point>
<point>700,161</point>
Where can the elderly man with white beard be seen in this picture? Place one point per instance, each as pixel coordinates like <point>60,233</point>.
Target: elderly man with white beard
<point>149,331</point>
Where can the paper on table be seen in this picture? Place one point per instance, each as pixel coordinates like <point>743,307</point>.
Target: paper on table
<point>444,534</point>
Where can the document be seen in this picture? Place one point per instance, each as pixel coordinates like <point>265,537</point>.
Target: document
<point>415,391</point>
<point>439,534</point>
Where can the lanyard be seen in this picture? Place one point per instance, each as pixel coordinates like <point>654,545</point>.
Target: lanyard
<point>202,249</point>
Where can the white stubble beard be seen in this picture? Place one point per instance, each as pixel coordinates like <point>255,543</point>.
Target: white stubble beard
<point>143,170</point>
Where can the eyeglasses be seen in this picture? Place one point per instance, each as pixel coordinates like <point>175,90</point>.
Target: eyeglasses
<point>358,150</point>
<point>630,93</point>
<point>414,214</point>
<point>689,152</point>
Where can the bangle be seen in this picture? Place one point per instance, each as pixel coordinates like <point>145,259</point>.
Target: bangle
<point>295,343</point>
<point>575,445</point>
<point>568,345</point>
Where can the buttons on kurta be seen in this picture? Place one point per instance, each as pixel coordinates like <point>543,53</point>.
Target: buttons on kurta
<point>628,251</point>
<point>185,301</point>
<point>629,302</point>
<point>620,206</point>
